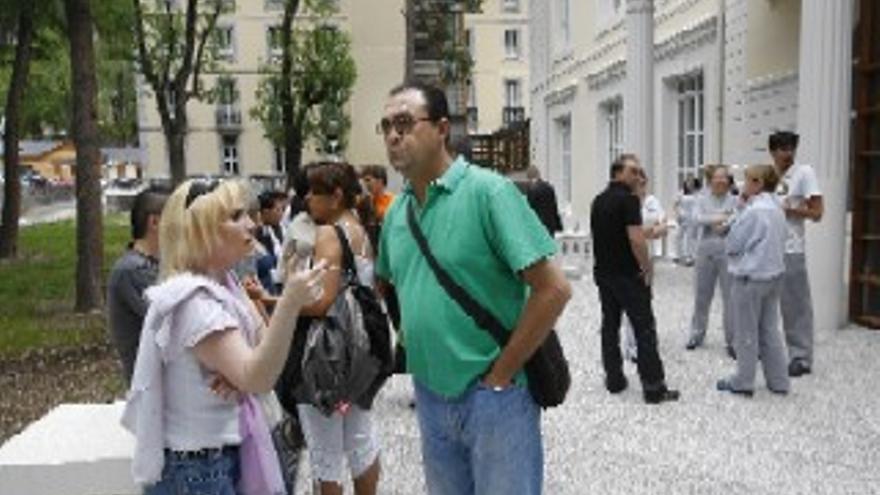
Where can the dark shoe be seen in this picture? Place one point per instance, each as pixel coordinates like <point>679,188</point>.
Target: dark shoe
<point>798,368</point>
<point>731,353</point>
<point>662,395</point>
<point>616,385</point>
<point>692,344</point>
<point>777,392</point>
<point>726,386</point>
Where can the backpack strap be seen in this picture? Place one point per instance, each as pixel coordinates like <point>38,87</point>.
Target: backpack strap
<point>349,267</point>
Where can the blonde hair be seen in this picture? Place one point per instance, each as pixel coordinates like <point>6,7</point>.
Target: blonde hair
<point>767,174</point>
<point>189,234</point>
<point>711,168</point>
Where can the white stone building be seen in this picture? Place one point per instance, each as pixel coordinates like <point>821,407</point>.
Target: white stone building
<point>685,83</point>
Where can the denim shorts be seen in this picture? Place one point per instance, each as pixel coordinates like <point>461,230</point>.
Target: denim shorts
<point>214,473</point>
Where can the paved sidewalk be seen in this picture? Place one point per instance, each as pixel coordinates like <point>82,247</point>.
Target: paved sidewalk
<point>824,438</point>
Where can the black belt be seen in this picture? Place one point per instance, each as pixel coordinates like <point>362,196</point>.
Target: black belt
<point>207,453</point>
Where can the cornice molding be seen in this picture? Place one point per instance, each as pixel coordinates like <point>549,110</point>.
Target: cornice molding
<point>691,36</point>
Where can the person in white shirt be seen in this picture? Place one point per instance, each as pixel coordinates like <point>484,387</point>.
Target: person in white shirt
<point>801,199</point>
<point>685,236</point>
<point>755,253</point>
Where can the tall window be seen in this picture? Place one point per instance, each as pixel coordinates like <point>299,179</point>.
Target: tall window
<point>229,155</point>
<point>563,21</point>
<point>512,94</point>
<point>564,128</point>
<point>511,43</point>
<point>469,41</point>
<point>279,162</point>
<point>225,44</point>
<point>614,121</point>
<point>473,116</point>
<point>273,42</point>
<point>690,126</point>
<point>227,94</point>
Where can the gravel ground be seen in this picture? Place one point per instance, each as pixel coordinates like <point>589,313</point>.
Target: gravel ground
<point>824,438</point>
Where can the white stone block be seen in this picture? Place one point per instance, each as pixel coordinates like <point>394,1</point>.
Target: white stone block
<point>76,449</point>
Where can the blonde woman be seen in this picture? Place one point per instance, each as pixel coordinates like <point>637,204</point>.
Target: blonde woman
<point>755,249</point>
<point>205,353</point>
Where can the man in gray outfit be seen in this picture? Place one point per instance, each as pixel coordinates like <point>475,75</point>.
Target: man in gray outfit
<point>801,199</point>
<point>136,270</point>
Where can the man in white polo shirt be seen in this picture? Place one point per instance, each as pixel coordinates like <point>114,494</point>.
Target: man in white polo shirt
<point>801,199</point>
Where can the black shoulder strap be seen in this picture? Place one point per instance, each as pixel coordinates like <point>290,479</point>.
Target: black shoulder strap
<point>348,265</point>
<point>480,314</point>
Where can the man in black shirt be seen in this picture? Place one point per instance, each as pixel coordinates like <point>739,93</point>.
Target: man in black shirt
<point>623,272</point>
<point>542,199</point>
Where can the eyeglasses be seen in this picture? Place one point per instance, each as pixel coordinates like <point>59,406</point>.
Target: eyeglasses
<point>199,188</point>
<point>402,124</point>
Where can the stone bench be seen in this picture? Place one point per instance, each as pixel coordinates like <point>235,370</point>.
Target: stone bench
<point>75,449</point>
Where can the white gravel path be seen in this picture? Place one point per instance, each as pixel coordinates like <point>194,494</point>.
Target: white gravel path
<point>824,438</point>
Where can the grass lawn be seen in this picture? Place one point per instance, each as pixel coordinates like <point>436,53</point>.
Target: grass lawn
<point>37,289</point>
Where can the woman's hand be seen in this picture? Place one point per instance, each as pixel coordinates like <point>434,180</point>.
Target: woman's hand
<point>305,286</point>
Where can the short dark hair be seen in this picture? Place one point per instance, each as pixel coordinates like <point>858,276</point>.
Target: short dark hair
<point>618,165</point>
<point>326,177</point>
<point>782,139</point>
<point>269,198</point>
<point>435,99</point>
<point>148,202</point>
<point>375,172</point>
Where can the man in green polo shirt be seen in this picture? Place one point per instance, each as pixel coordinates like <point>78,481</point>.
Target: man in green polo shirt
<point>480,427</point>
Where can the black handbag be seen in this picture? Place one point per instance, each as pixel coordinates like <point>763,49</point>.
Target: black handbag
<point>547,369</point>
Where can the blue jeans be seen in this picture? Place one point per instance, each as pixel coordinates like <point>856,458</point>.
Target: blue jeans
<point>482,443</point>
<point>216,474</point>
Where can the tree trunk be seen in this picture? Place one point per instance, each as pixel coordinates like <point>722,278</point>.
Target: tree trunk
<point>12,187</point>
<point>89,218</point>
<point>292,145</point>
<point>175,138</point>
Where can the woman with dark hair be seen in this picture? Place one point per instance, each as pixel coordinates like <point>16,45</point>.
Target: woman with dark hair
<point>346,433</point>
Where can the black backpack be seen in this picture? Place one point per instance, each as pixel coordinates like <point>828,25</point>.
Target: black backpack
<point>344,356</point>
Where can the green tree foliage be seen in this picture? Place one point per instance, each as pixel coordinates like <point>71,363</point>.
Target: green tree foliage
<point>46,99</point>
<point>174,46</point>
<point>322,75</point>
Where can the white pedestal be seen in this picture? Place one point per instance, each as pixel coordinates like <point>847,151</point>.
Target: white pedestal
<point>75,449</point>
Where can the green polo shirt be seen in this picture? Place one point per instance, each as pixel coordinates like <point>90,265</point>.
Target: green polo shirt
<point>483,232</point>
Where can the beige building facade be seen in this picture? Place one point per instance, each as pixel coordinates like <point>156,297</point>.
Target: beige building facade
<point>224,138</point>
<point>690,82</point>
<point>498,41</point>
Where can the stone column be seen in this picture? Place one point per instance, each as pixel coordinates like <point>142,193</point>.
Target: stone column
<point>638,100</point>
<point>824,103</point>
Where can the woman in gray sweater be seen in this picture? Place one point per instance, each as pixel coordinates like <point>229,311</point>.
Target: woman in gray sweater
<point>755,252</point>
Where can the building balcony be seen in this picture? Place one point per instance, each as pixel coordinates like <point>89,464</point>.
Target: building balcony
<point>512,115</point>
<point>228,117</point>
